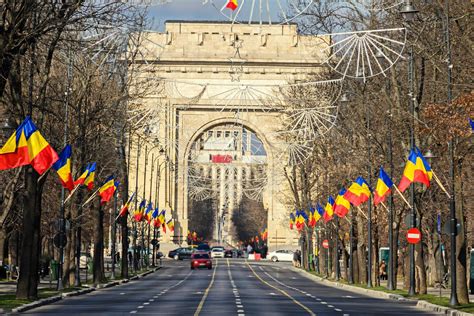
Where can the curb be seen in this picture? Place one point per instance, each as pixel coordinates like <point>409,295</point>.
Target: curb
<point>378,294</point>
<point>441,309</point>
<point>52,299</point>
<point>373,293</point>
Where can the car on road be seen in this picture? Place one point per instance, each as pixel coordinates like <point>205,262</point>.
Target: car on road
<point>281,255</point>
<point>200,260</point>
<point>217,252</point>
<point>173,252</point>
<point>203,248</point>
<point>228,253</point>
<point>183,253</point>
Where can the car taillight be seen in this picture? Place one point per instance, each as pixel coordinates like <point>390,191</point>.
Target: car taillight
<point>208,261</point>
<point>196,262</point>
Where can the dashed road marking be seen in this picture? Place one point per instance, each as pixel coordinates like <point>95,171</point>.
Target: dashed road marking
<point>206,292</point>
<point>133,312</point>
<point>123,293</point>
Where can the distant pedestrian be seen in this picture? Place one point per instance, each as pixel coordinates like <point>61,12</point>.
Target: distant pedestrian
<point>249,249</point>
<point>383,270</point>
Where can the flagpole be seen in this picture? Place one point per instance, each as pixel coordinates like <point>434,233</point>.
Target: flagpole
<point>440,184</point>
<point>71,193</point>
<point>362,212</point>
<point>401,195</point>
<point>91,197</point>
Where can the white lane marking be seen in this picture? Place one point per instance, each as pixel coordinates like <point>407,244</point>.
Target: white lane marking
<point>331,306</point>
<point>151,300</point>
<point>141,306</point>
<point>338,310</point>
<point>240,311</point>
<point>348,296</point>
<point>123,293</point>
<point>240,306</point>
<point>272,293</point>
<point>293,288</point>
<point>345,315</point>
<point>133,312</point>
<point>146,303</point>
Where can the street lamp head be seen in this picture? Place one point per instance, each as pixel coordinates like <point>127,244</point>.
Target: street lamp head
<point>162,151</point>
<point>344,98</point>
<point>408,11</point>
<point>429,154</point>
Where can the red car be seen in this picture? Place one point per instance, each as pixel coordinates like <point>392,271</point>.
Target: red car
<point>200,260</point>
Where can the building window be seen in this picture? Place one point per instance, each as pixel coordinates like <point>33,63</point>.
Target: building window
<point>227,134</point>
<point>218,134</point>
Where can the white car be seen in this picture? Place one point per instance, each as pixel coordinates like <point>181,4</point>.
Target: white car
<point>217,252</point>
<point>281,255</point>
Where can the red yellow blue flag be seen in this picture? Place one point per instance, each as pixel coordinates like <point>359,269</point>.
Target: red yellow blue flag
<point>292,220</point>
<point>107,190</point>
<point>126,206</point>
<point>328,210</point>
<point>341,205</point>
<point>63,168</point>
<point>417,169</point>
<point>27,146</point>
<point>89,181</point>
<point>382,189</point>
<point>358,192</point>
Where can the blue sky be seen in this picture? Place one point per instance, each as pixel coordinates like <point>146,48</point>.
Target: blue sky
<point>195,10</point>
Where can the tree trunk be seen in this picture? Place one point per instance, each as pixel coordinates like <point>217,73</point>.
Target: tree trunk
<point>98,262</point>
<point>420,268</point>
<point>27,287</point>
<point>461,246</point>
<point>361,250</point>
<point>309,243</point>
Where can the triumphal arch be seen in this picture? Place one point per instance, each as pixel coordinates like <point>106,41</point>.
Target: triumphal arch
<point>215,150</point>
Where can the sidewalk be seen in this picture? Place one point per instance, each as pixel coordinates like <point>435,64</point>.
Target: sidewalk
<point>431,290</point>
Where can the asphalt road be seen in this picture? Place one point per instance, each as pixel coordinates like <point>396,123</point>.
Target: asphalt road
<point>233,287</point>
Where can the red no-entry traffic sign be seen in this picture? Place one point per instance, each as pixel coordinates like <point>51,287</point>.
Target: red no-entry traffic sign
<point>325,244</point>
<point>413,235</point>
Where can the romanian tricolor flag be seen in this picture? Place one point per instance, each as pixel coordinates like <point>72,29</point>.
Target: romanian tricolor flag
<point>300,220</point>
<point>126,206</point>
<point>162,217</point>
<point>328,210</point>
<point>292,220</point>
<point>358,192</point>
<point>170,225</point>
<point>265,234</point>
<point>138,214</point>
<point>63,168</point>
<point>417,169</point>
<point>319,213</point>
<point>27,147</point>
<point>148,212</point>
<point>107,190</point>
<point>89,181</point>
<point>311,221</point>
<point>83,176</point>
<point>155,213</point>
<point>232,4</point>
<point>341,205</point>
<point>384,183</point>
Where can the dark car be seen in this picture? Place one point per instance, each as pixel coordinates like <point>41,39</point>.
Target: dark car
<point>204,248</point>
<point>228,253</point>
<point>201,260</point>
<point>173,252</point>
<point>183,253</point>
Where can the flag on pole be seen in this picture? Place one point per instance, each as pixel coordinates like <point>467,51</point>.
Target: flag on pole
<point>382,189</point>
<point>341,205</point>
<point>138,214</point>
<point>319,213</point>
<point>358,192</point>
<point>148,212</point>
<point>63,168</point>
<point>417,169</point>
<point>27,146</point>
<point>170,225</point>
<point>292,220</point>
<point>83,176</point>
<point>126,206</point>
<point>471,122</point>
<point>328,210</point>
<point>107,190</point>
<point>232,4</point>
<point>311,220</point>
<point>89,181</point>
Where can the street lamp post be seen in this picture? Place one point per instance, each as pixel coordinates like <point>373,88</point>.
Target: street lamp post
<point>135,235</point>
<point>113,234</point>
<point>409,12</point>
<point>453,300</point>
<point>142,248</point>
